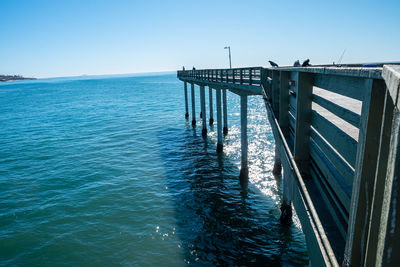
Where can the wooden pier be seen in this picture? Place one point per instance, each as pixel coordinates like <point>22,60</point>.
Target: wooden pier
<point>336,131</point>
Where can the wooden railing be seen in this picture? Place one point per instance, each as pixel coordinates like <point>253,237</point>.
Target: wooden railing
<point>247,76</point>
<point>330,122</point>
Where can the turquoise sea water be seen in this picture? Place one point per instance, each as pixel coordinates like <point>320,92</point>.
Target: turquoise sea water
<point>107,171</point>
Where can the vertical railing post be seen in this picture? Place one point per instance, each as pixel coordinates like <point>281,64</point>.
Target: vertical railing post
<point>275,107</point>
<point>384,233</point>
<point>241,76</point>
<point>275,92</point>
<point>263,80</point>
<point>304,84</point>
<point>364,173</point>
<point>269,85</point>
<point>250,76</point>
<point>284,102</point>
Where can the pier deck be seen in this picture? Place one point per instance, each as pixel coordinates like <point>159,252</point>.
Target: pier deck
<point>336,133</point>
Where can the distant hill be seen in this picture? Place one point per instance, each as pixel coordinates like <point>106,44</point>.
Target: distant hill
<point>4,78</point>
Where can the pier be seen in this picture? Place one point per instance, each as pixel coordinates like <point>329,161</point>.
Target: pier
<point>336,133</point>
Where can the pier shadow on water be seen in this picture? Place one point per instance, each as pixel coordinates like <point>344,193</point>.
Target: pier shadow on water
<point>220,222</point>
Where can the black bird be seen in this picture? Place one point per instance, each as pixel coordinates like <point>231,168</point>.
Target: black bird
<point>296,63</point>
<point>306,63</point>
<point>273,64</point>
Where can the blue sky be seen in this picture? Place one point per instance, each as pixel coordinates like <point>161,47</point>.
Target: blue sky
<point>67,38</point>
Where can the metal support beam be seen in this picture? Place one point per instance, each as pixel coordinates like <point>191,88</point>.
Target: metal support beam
<point>193,106</point>
<point>219,120</point>
<point>203,110</point>
<point>225,112</point>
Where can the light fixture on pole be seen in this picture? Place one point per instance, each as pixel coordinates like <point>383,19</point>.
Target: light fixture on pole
<point>230,63</point>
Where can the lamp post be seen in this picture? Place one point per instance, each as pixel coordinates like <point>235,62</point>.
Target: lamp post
<point>230,63</point>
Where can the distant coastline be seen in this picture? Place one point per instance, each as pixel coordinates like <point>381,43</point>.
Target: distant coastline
<point>5,78</point>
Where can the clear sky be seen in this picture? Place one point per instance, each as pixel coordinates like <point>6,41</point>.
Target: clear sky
<point>67,38</point>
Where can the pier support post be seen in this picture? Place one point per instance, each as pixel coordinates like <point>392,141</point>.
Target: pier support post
<point>219,120</point>
<point>286,206</point>
<point>244,172</point>
<point>203,110</point>
<point>210,95</point>
<point>186,101</point>
<point>193,105</point>
<point>277,170</point>
<point>225,112</point>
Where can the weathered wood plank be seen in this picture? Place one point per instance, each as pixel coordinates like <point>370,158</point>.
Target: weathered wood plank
<point>284,102</point>
<point>292,122</point>
<point>331,203</point>
<point>345,114</point>
<point>391,74</point>
<point>389,231</point>
<point>275,93</point>
<point>342,166</point>
<point>374,73</point>
<point>332,176</point>
<point>389,240</point>
<point>292,103</point>
<point>378,202</point>
<point>304,85</point>
<point>336,137</point>
<point>353,87</point>
<point>365,168</point>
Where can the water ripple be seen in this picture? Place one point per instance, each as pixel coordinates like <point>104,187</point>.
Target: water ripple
<point>101,172</point>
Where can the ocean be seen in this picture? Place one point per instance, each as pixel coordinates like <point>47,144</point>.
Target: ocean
<point>105,171</point>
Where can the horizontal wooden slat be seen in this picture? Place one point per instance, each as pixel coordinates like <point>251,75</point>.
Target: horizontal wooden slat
<point>342,142</point>
<point>337,160</point>
<point>343,113</point>
<point>353,87</point>
<point>292,104</point>
<point>330,203</point>
<point>292,120</point>
<point>332,176</point>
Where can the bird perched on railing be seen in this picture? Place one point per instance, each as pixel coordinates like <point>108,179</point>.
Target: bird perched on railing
<point>273,64</point>
<point>306,63</point>
<point>296,63</point>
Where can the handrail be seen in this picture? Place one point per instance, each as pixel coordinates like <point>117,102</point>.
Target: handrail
<point>303,190</point>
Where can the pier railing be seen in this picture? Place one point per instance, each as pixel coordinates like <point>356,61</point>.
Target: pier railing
<point>334,130</point>
<point>247,76</point>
